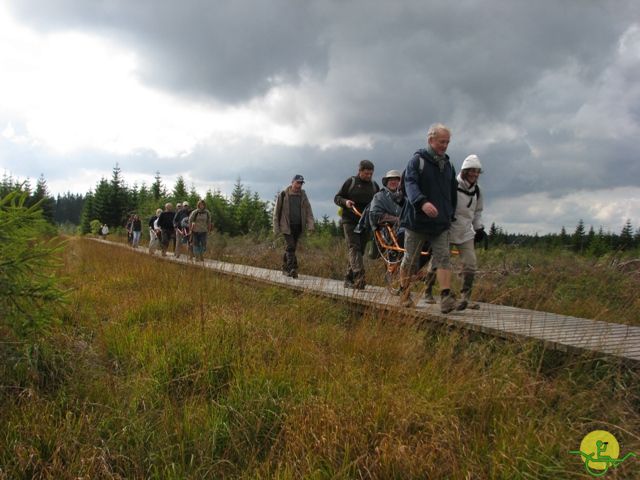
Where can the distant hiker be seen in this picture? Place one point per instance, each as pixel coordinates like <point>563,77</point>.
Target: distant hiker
<point>165,222</point>
<point>136,230</point>
<point>104,230</point>
<point>356,192</point>
<point>128,227</point>
<point>466,230</point>
<point>181,224</point>
<point>431,189</point>
<point>154,232</point>
<point>201,225</point>
<point>291,216</point>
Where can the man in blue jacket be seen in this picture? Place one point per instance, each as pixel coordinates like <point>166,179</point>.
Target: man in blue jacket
<point>431,189</point>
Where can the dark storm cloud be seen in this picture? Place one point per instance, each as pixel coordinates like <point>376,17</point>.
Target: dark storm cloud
<point>228,50</point>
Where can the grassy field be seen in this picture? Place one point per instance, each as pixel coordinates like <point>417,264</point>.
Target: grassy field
<point>167,371</point>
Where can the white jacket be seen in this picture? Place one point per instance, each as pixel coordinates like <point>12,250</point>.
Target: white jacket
<point>468,212</point>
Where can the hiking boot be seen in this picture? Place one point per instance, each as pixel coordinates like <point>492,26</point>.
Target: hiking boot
<point>447,303</point>
<point>429,298</point>
<point>405,298</point>
<point>293,274</point>
<point>359,282</point>
<point>467,285</point>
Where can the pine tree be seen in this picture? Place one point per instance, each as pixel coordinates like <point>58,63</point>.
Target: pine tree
<point>101,202</point>
<point>563,238</point>
<point>590,236</point>
<point>598,245</point>
<point>117,200</point>
<point>179,190</point>
<point>578,239</point>
<point>193,196</point>
<point>6,185</point>
<point>133,198</point>
<point>28,275</point>
<point>235,208</point>
<point>157,189</point>
<point>626,236</point>
<point>88,214</point>
<point>220,211</point>
<point>41,194</point>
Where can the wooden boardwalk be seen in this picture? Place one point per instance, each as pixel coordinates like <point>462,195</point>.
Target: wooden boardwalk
<point>558,332</point>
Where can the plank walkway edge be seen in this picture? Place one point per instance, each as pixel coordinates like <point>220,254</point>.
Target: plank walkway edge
<point>556,332</point>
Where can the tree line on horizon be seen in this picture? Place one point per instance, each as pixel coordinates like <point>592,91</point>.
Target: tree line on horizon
<point>244,212</point>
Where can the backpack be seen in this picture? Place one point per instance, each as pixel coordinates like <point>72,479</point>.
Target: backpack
<point>470,195</point>
<point>420,170</point>
<point>198,212</point>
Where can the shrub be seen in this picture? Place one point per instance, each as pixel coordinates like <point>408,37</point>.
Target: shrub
<point>95,226</point>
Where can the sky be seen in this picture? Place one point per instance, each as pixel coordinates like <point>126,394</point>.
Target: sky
<point>546,93</point>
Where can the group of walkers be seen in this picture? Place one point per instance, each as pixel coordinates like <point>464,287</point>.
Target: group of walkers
<point>181,227</point>
<point>429,205</point>
<point>432,207</point>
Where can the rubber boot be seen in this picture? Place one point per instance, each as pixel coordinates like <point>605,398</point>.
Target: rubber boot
<point>430,281</point>
<point>405,287</point>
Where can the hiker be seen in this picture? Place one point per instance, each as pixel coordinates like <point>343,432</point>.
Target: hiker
<point>431,189</point>
<point>181,225</point>
<point>466,230</point>
<point>128,228</point>
<point>136,231</point>
<point>291,216</point>
<point>104,231</point>
<point>357,191</point>
<point>165,222</point>
<point>200,225</point>
<point>386,205</point>
<point>386,208</point>
<point>154,232</point>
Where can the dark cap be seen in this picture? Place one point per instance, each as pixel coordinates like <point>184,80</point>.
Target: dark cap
<point>298,178</point>
<point>365,165</point>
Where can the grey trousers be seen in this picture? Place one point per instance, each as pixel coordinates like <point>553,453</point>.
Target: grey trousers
<point>356,244</point>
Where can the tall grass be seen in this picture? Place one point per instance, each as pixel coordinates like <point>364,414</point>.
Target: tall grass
<point>170,371</point>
